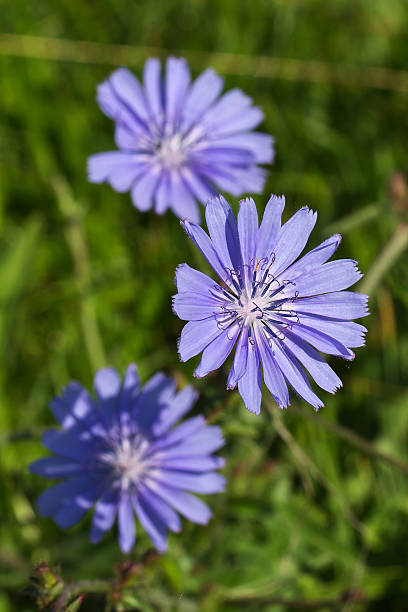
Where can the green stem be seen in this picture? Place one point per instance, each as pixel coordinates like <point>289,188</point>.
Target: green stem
<point>77,242</point>
<point>304,460</point>
<point>84,587</point>
<point>388,256</point>
<point>355,219</point>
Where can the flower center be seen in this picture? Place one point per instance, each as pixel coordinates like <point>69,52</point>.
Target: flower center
<point>251,309</point>
<point>254,294</point>
<point>127,461</point>
<point>170,152</point>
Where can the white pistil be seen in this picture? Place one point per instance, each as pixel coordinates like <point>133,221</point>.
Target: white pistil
<point>257,300</point>
<point>127,461</point>
<point>171,152</point>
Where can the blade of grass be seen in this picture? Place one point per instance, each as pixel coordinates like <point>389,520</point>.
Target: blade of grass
<point>76,239</point>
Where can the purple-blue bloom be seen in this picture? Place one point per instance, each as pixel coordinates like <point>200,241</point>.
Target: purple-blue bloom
<point>179,141</point>
<point>280,313</point>
<point>122,453</point>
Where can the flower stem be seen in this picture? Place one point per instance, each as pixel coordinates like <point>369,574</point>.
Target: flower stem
<point>307,464</point>
<point>388,256</point>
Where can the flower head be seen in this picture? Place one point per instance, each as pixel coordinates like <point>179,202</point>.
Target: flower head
<point>121,453</point>
<point>280,313</point>
<point>179,140</point>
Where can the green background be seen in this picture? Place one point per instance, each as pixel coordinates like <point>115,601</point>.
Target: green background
<point>312,518</point>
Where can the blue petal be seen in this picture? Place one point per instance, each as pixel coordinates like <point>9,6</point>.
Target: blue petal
<point>204,244</point>
<point>151,523</point>
<point>75,407</point>
<point>251,178</point>
<point>347,332</point>
<point>314,258</point>
<point>195,463</point>
<point>230,106</point>
<point>292,239</point>
<point>332,276</point>
<point>217,352</point>
<point>128,397</point>
<point>247,229</point>
<point>233,179</point>
<point>201,189</point>
<point>208,440</point>
<point>51,499</point>
<point>72,510</point>
<point>295,375</point>
<point>190,280</point>
<point>260,145</point>
<point>203,93</point>
<point>269,229</point>
<point>162,195</point>
<point>314,363</point>
<point>232,113</point>
<point>239,365</point>
<point>126,524</point>
<point>272,374</point>
<point>107,383</point>
<point>223,230</point>
<point>177,407</point>
<point>122,177</point>
<point>159,508</point>
<point>196,335</point>
<point>177,435</point>
<point>248,120</point>
<point>131,387</point>
<point>195,306</point>
<point>125,139</point>
<point>108,100</point>
<point>143,191</point>
<point>322,342</point>
<point>128,89</point>
<point>188,437</point>
<point>217,156</point>
<point>104,515</point>
<point>195,483</point>
<point>154,398</point>
<point>250,385</point>
<point>336,305</point>
<point>55,467</point>
<point>74,444</point>
<point>117,110</point>
<point>101,165</point>
<point>182,201</point>
<point>177,83</point>
<point>153,89</point>
<point>188,505</point>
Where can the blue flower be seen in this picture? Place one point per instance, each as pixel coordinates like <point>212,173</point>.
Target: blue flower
<point>122,454</point>
<point>179,140</point>
<point>280,313</point>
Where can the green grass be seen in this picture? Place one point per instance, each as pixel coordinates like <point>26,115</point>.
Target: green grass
<point>306,516</point>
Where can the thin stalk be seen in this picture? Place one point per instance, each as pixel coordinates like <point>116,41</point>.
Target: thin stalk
<point>312,467</point>
<point>356,219</point>
<point>261,66</point>
<point>388,256</point>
